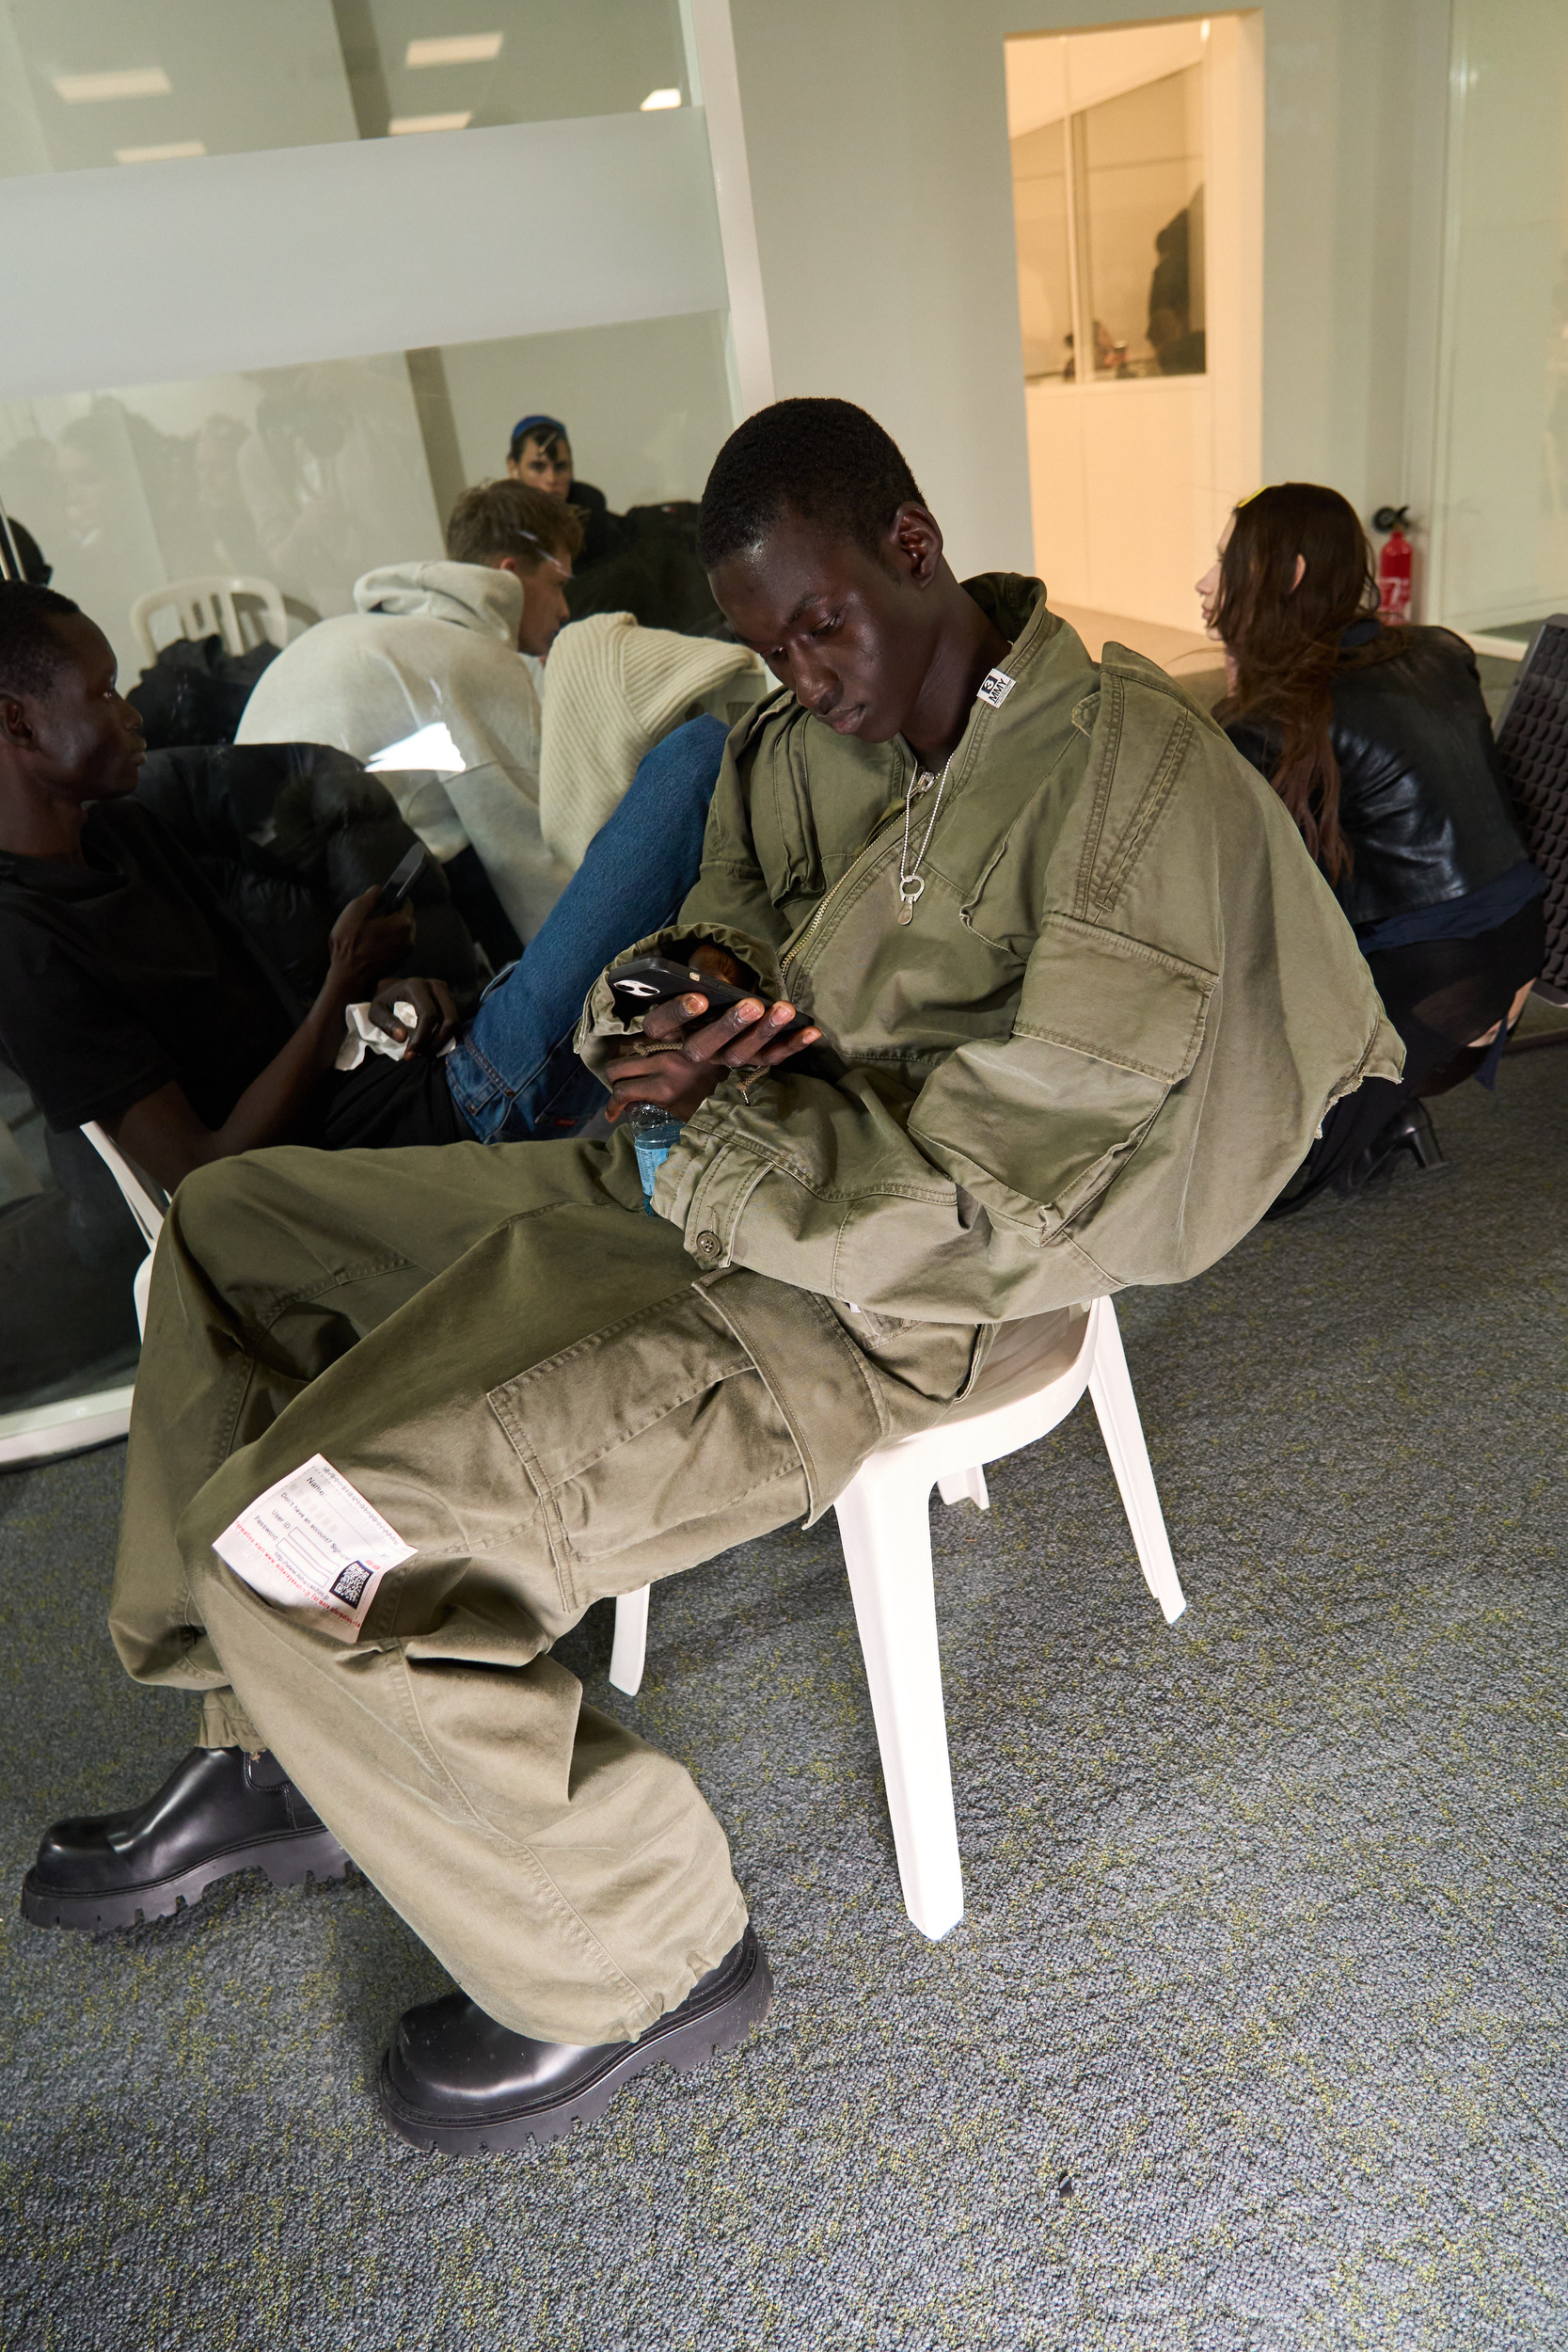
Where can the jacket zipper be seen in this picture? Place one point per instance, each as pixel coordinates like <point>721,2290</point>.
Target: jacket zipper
<point>793,948</point>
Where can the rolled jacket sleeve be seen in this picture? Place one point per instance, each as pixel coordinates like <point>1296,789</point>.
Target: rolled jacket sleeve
<point>601,1029</point>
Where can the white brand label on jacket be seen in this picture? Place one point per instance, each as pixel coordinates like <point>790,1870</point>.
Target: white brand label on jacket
<point>312,1542</point>
<point>994,688</point>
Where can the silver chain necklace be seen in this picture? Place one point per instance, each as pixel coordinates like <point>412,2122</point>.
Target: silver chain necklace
<point>911,881</point>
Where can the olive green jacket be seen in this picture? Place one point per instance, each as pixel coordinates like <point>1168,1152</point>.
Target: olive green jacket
<point>1097,1052</point>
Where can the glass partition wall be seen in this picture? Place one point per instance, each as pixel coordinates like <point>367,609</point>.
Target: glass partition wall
<point>87,83</point>
<point>1500,522</point>
<point>1108,203</point>
<point>312,475</point>
<point>313,471</point>
<point>281,278</point>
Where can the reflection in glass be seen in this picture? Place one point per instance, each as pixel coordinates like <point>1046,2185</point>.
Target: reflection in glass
<point>304,476</point>
<point>311,476</point>
<point>87,83</point>
<point>1143,190</point>
<point>1044,279</point>
<point>68,1253</point>
<point>1117,187</point>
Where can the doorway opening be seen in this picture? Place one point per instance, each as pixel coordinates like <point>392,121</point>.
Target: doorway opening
<point>1137,164</point>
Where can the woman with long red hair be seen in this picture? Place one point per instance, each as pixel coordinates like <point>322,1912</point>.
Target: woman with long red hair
<point>1379,744</point>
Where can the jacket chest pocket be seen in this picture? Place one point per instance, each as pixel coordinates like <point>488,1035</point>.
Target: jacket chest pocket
<point>639,1437</point>
<point>885,990</point>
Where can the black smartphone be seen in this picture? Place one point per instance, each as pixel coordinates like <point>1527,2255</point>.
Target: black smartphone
<point>649,980</point>
<point>400,881</point>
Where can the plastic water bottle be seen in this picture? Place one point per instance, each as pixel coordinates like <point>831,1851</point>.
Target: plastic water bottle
<point>654,1132</point>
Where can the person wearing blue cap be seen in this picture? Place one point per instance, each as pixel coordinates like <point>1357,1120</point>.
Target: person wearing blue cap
<point>541,455</point>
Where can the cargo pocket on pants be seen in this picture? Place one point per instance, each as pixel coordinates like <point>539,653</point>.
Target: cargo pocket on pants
<point>652,1444</point>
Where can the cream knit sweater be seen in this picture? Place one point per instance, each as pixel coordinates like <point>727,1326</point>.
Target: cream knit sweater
<point>613,691</point>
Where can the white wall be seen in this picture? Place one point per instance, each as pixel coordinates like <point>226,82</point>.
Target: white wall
<point>880,178</point>
<point>878,131</point>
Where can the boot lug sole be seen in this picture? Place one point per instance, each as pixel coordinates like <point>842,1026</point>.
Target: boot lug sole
<point>723,2028</point>
<point>287,1861</point>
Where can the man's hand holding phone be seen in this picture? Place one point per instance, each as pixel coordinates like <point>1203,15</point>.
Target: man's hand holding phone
<point>684,1052</point>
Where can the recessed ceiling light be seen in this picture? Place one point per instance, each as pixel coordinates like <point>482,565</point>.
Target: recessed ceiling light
<point>171,154</point>
<point>138,81</point>
<point>455,49</point>
<point>400,124</point>
<point>657,100</point>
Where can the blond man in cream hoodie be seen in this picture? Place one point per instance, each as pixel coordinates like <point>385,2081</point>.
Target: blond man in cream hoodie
<point>459,646</point>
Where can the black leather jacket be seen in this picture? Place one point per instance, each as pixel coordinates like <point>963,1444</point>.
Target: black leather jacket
<point>1422,799</point>
<point>287,834</point>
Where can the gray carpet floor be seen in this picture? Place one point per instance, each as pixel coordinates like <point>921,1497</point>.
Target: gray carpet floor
<point>1252,2035</point>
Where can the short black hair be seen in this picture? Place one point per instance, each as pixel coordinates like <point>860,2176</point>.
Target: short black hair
<point>30,647</point>
<point>824,459</point>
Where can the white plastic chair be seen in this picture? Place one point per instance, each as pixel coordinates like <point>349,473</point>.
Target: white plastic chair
<point>149,1215</point>
<point>41,1433</point>
<point>207,604</point>
<point>1034,1375</point>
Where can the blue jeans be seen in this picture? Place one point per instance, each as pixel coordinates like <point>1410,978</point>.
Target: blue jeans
<point>514,1075</point>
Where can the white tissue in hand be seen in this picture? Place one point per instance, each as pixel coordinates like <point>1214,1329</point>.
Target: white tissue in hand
<point>361,1032</point>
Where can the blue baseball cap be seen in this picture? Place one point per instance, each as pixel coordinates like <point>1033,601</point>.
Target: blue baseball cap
<point>538,429</point>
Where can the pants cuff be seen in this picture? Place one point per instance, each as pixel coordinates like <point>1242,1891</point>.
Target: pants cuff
<point>226,1724</point>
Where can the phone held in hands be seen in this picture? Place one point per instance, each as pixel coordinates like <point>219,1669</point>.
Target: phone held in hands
<point>400,881</point>
<point>649,980</point>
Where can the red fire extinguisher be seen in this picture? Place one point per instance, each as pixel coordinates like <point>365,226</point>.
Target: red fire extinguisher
<point>1394,565</point>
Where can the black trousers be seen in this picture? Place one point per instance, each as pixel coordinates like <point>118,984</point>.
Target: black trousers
<point>1439,993</point>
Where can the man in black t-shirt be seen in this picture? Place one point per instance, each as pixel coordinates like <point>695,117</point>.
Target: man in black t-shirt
<point>128,994</point>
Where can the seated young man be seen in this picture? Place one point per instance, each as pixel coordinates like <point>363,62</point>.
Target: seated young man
<point>130,995</point>
<point>1046,920</point>
<point>460,644</point>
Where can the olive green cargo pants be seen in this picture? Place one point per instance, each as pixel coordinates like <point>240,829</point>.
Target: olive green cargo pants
<point>532,1382</point>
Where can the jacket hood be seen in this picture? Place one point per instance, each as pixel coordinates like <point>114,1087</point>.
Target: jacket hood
<point>472,595</point>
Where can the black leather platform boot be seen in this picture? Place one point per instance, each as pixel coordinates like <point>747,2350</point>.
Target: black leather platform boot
<point>219,1811</point>
<point>455,2081</point>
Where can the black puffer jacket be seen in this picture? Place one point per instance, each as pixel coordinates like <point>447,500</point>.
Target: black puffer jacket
<point>287,834</point>
<point>1423,801</point>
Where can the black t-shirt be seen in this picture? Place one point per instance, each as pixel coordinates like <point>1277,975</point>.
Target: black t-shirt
<point>122,974</point>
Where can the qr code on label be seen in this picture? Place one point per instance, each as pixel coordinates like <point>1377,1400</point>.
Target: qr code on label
<point>350,1582</point>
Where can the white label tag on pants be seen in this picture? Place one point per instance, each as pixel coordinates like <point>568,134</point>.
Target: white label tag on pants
<point>313,1543</point>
